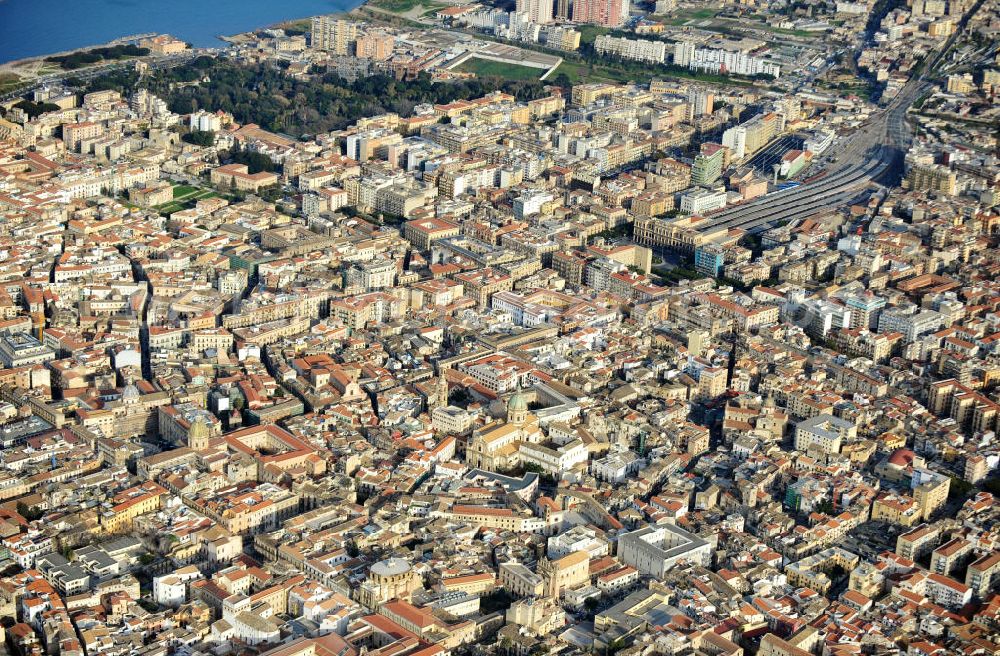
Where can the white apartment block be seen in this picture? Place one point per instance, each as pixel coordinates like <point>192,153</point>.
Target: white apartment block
<point>654,52</point>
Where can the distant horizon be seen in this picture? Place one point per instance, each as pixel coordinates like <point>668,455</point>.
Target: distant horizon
<point>35,28</point>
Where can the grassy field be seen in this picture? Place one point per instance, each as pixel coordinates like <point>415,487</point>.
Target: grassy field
<point>384,17</point>
<point>298,25</point>
<point>682,16</point>
<point>185,197</point>
<point>170,208</point>
<point>489,68</point>
<point>579,72</point>
<point>9,82</point>
<point>404,6</point>
<point>855,87</point>
<point>589,33</point>
<point>671,276</point>
<point>182,191</point>
<point>861,91</point>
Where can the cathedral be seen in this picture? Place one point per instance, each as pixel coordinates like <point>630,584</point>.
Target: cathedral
<point>495,447</point>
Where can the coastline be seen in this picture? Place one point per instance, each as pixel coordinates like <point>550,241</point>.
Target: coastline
<point>27,68</point>
<point>201,36</point>
<point>226,38</point>
<point>25,61</point>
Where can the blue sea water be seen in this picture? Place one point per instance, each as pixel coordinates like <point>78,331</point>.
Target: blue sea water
<point>37,27</point>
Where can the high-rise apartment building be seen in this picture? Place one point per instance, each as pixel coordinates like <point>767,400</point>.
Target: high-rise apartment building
<point>712,382</point>
<point>708,164</point>
<point>932,177</point>
<point>735,139</point>
<point>375,45</point>
<point>930,490</point>
<point>609,13</point>
<point>683,53</point>
<point>700,102</point>
<point>747,138</point>
<point>333,35</point>
<point>537,11</point>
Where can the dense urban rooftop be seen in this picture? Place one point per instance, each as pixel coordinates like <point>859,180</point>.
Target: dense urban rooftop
<point>487,328</point>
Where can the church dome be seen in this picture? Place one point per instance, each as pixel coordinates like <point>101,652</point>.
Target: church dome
<point>199,429</point>
<point>517,403</point>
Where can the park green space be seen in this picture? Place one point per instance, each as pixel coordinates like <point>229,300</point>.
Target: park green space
<point>185,197</point>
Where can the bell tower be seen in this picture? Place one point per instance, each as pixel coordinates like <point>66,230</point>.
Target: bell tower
<point>441,395</point>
